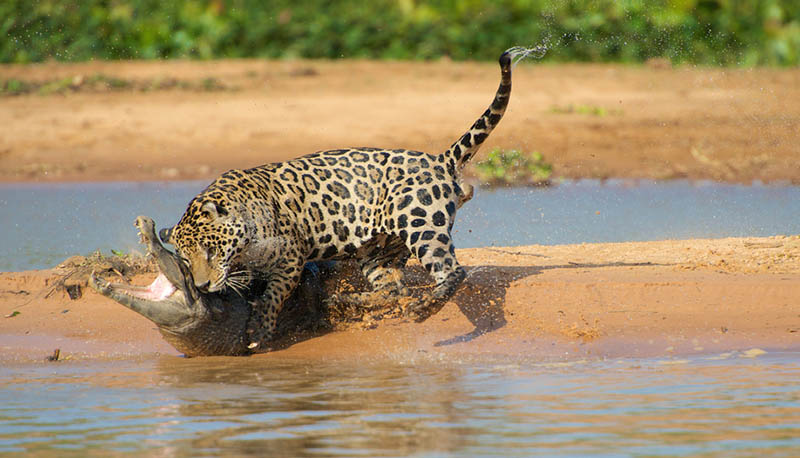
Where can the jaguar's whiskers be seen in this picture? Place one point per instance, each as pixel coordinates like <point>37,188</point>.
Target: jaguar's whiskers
<point>238,281</point>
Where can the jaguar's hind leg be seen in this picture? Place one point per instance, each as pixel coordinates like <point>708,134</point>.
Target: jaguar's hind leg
<point>436,252</point>
<point>383,266</point>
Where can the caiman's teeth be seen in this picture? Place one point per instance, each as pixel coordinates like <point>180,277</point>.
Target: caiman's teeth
<point>101,284</point>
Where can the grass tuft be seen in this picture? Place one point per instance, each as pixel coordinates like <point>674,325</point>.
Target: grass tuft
<point>514,168</point>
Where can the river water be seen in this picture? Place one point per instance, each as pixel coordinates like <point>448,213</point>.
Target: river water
<point>42,224</point>
<point>716,405</point>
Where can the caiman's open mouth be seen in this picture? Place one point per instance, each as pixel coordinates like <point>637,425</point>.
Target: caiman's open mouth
<point>162,288</point>
<point>169,301</point>
<point>159,290</point>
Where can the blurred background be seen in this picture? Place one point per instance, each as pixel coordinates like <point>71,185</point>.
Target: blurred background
<point>116,108</point>
<point>704,32</point>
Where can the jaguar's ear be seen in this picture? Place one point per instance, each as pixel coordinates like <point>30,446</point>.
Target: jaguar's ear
<point>213,209</point>
<point>165,234</point>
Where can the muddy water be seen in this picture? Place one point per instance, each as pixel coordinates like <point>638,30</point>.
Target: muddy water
<point>40,225</point>
<point>719,405</point>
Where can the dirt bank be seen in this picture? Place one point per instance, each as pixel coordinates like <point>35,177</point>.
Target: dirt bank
<point>666,298</point>
<point>187,120</point>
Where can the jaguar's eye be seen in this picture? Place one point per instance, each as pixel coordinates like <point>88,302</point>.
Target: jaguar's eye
<point>211,253</point>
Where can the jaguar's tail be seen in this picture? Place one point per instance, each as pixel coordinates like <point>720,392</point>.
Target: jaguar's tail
<point>469,143</point>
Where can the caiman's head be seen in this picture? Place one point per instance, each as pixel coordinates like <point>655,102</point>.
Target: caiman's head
<point>208,238</point>
<point>194,322</point>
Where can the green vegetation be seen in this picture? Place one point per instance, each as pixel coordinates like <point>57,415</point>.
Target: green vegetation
<point>513,167</point>
<point>14,86</point>
<point>709,32</point>
<point>590,110</point>
<point>101,83</point>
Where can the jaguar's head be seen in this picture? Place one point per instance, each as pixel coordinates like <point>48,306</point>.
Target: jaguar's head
<point>209,237</point>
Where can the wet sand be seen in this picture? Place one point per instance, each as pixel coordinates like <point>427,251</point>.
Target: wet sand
<point>571,302</point>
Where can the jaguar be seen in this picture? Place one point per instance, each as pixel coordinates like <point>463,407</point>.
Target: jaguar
<point>376,206</point>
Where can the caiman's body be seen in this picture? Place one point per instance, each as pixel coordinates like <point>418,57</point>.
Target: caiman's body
<point>195,323</point>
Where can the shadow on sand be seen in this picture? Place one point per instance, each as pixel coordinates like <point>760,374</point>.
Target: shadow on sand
<point>482,297</point>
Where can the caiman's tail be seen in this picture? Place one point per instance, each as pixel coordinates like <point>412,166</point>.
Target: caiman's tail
<point>469,143</point>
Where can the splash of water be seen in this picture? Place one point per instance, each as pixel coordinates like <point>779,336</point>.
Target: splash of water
<point>518,53</point>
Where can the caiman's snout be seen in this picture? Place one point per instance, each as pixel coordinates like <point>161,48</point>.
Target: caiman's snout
<point>194,323</point>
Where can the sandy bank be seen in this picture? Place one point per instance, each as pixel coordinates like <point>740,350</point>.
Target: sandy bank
<point>590,121</point>
<point>665,298</point>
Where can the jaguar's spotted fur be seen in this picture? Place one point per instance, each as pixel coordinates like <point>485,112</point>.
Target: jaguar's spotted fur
<point>378,206</point>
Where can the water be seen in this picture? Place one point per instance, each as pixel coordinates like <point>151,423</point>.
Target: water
<point>42,224</point>
<point>591,211</point>
<point>422,405</point>
<point>712,406</point>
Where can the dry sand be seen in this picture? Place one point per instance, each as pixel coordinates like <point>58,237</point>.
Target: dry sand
<point>722,124</point>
